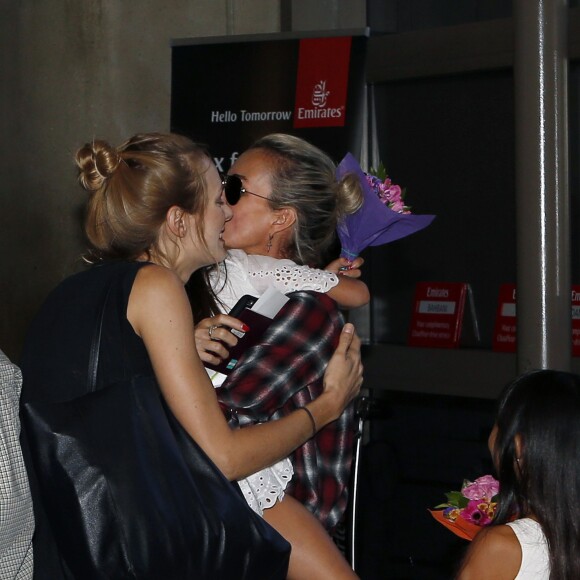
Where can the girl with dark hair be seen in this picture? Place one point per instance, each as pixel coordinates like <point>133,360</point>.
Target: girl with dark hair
<point>535,445</point>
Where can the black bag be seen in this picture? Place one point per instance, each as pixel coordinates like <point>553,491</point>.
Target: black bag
<point>129,494</point>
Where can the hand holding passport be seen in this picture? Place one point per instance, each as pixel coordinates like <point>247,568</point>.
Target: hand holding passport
<point>257,314</point>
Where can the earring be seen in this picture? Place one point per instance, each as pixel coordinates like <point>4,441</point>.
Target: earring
<point>269,244</point>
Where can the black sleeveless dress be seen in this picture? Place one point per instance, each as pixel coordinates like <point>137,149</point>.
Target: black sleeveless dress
<point>55,358</point>
<point>55,364</point>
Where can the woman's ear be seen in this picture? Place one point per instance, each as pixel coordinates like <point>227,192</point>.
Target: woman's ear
<point>284,218</point>
<point>175,221</point>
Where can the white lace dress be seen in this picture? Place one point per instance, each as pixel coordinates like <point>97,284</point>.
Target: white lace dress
<point>241,274</point>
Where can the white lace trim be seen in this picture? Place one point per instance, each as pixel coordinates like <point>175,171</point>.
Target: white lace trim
<point>287,276</point>
<point>254,274</point>
<point>264,488</point>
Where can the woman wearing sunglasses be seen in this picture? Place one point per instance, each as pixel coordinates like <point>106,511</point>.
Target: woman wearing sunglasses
<point>294,228</point>
<point>286,203</point>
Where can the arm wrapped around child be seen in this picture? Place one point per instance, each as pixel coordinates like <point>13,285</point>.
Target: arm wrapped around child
<point>284,372</point>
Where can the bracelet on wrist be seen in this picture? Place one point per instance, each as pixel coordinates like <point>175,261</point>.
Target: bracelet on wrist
<point>311,417</point>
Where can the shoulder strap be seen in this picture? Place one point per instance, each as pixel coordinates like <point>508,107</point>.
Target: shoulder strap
<point>95,345</point>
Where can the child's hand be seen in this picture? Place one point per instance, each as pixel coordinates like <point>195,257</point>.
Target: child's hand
<point>344,267</point>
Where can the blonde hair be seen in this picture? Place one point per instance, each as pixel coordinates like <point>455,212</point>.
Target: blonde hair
<point>131,188</point>
<point>303,178</point>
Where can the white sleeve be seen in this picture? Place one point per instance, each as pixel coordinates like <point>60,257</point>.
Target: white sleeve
<point>230,280</point>
<point>286,276</point>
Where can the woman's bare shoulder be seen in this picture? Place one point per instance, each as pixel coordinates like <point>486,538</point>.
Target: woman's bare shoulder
<point>157,292</point>
<point>156,272</point>
<point>154,279</point>
<point>495,553</point>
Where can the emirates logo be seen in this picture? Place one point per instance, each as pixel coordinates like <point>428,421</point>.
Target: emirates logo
<point>322,82</point>
<point>320,94</point>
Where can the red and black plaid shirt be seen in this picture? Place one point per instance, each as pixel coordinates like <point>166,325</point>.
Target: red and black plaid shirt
<point>285,372</point>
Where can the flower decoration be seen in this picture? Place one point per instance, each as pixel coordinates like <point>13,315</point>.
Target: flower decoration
<point>389,193</point>
<point>465,512</point>
<point>383,216</point>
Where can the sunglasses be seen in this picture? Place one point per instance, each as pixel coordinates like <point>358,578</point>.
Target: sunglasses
<point>233,188</point>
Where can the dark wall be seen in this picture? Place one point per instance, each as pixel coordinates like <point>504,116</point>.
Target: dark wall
<point>420,447</point>
<point>407,15</point>
<point>450,142</point>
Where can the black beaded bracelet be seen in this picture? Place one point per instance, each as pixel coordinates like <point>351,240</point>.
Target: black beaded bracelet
<point>314,429</point>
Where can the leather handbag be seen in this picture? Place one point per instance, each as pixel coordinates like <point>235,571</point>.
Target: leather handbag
<point>129,494</point>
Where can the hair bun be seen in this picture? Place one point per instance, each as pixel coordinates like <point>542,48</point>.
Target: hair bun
<point>350,195</point>
<point>96,161</point>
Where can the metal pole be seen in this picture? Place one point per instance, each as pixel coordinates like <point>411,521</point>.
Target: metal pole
<point>542,191</point>
<point>354,491</point>
<point>362,413</point>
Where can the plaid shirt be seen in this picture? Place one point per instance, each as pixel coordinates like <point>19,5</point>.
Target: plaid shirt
<point>16,516</point>
<point>271,382</point>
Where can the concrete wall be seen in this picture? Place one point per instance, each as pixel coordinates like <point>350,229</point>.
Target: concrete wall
<point>73,70</point>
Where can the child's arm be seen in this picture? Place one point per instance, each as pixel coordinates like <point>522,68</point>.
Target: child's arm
<point>494,554</point>
<point>349,292</point>
<point>287,276</point>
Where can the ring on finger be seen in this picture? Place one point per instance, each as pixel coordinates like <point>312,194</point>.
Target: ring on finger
<point>210,331</point>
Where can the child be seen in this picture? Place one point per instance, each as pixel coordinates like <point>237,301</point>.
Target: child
<point>535,445</point>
